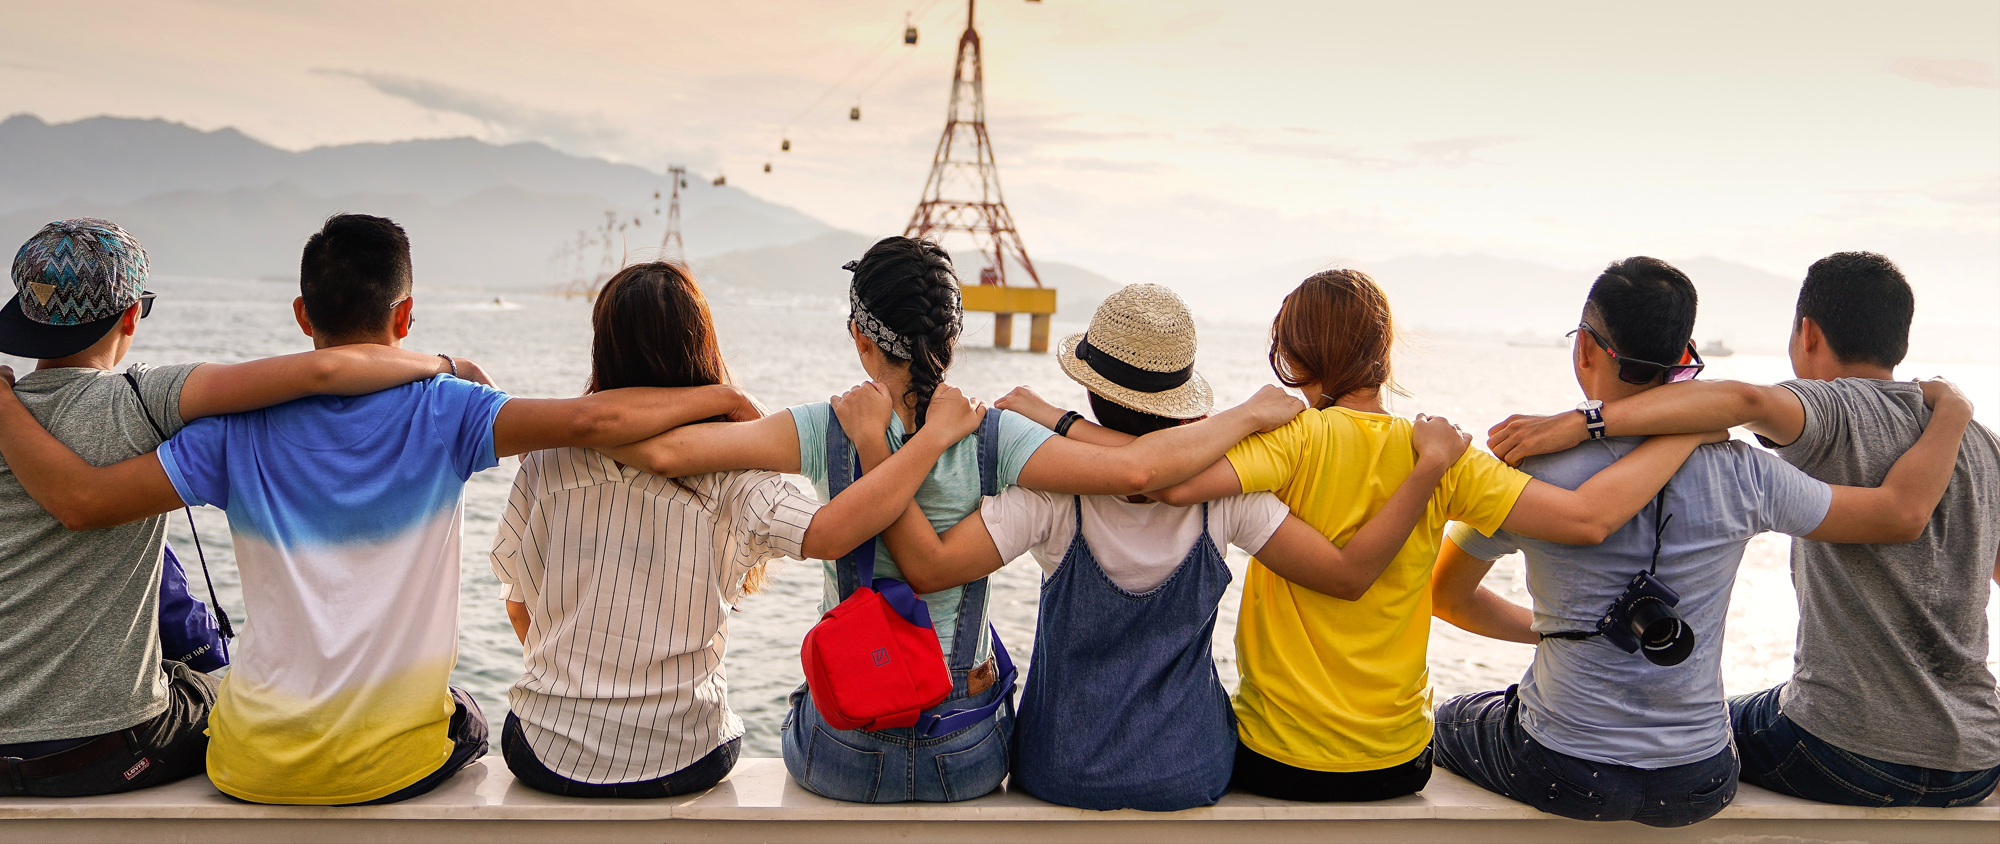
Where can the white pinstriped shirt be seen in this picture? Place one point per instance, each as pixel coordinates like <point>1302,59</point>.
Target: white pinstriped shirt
<point>628,582</point>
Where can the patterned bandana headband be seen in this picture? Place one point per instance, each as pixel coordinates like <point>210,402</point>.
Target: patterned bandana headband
<point>872,328</point>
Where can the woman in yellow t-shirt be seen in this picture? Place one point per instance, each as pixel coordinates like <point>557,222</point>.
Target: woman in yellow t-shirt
<point>1335,698</point>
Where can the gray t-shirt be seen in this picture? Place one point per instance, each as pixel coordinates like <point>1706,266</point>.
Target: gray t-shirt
<point>1891,659</point>
<point>1586,697</point>
<point>79,610</point>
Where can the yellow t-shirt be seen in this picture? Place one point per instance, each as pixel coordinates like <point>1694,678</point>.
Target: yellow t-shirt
<point>1333,685</point>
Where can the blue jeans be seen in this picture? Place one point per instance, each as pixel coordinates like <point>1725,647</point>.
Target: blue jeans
<point>1479,737</point>
<point>1783,757</point>
<point>894,765</point>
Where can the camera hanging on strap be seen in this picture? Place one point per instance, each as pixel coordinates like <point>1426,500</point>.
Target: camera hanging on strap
<point>1643,619</point>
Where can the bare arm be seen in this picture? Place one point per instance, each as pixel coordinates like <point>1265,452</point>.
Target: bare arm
<point>213,389</point>
<point>1458,598</point>
<point>1687,407</point>
<point>1039,411</point>
<point>1301,554</point>
<point>770,443</point>
<point>933,563</point>
<point>612,417</point>
<point>1899,509</point>
<point>81,496</point>
<point>1588,514</point>
<point>1156,460</point>
<point>884,491</point>
<point>517,615</point>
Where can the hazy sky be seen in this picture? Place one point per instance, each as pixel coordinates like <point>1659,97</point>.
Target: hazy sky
<point>1161,140</point>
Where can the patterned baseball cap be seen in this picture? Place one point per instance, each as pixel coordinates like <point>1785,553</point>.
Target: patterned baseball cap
<point>73,279</point>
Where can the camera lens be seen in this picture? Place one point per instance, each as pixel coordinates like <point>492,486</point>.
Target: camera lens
<point>1663,637</point>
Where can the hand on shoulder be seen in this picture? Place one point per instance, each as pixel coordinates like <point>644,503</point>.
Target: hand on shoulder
<point>1272,407</point>
<point>864,409</point>
<point>1437,440</point>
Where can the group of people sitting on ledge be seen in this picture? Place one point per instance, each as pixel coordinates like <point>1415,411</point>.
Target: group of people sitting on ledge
<point>646,508</point>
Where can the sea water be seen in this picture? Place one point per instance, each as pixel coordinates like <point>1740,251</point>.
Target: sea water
<point>797,350</point>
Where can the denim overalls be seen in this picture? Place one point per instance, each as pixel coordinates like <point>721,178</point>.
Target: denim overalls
<point>1123,708</point>
<point>898,764</point>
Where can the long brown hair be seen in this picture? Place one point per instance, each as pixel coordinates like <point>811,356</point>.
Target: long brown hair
<point>651,328</point>
<point>1334,330</point>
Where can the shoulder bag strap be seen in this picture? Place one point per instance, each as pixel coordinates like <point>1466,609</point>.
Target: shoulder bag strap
<point>221,615</point>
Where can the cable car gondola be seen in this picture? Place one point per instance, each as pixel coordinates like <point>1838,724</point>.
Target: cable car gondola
<point>785,145</point>
<point>854,113</point>
<point>767,166</point>
<point>909,30</point>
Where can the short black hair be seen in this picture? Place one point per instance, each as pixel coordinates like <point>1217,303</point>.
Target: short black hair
<point>1863,305</point>
<point>1125,420</point>
<point>353,269</point>
<point>1645,307</point>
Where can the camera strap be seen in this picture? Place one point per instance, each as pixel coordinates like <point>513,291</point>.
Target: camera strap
<point>221,615</point>
<point>1660,519</point>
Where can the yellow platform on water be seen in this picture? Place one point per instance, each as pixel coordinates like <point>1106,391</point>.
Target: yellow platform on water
<point>1006,301</point>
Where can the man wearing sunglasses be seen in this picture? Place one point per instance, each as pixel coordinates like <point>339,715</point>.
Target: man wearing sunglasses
<point>88,704</point>
<point>1641,732</point>
<point>1890,701</point>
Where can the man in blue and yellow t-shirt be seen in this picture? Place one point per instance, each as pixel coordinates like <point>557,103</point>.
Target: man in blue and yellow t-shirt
<point>346,514</point>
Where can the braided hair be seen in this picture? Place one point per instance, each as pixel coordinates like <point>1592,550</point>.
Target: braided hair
<point>909,287</point>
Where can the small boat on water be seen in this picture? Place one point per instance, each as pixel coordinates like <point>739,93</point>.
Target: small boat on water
<point>1715,349</point>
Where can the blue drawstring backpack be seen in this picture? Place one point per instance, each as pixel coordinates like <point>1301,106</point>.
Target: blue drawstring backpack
<point>190,632</point>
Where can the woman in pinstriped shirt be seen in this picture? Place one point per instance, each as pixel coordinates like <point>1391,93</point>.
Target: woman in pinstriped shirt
<point>619,582</point>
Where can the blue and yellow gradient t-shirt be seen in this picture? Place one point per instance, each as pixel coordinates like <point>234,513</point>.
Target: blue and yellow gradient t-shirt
<point>346,513</point>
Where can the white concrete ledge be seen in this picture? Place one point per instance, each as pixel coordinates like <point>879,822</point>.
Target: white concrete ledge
<point>758,802</point>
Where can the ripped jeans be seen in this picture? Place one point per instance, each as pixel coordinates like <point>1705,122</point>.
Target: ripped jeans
<point>1479,737</point>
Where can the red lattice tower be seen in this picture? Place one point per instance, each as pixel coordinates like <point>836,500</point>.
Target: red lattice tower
<point>963,195</point>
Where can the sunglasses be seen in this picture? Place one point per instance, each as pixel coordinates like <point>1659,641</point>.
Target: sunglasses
<point>145,303</point>
<point>1635,371</point>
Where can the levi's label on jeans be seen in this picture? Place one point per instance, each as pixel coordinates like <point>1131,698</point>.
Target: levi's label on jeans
<point>346,516</point>
<point>1333,685</point>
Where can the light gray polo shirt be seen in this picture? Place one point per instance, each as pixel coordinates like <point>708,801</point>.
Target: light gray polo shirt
<point>1891,659</point>
<point>1591,700</point>
<point>80,610</point>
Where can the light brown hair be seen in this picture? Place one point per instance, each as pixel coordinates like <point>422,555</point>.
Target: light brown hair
<point>1334,330</point>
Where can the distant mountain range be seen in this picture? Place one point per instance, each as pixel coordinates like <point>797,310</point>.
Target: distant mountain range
<point>222,204</point>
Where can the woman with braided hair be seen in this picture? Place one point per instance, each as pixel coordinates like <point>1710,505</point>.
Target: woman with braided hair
<point>905,320</point>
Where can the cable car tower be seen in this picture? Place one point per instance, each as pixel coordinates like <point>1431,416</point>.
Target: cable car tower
<point>671,247</point>
<point>963,195</point>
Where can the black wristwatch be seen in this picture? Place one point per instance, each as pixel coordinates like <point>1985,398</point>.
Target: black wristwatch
<point>1593,418</point>
<point>1069,418</point>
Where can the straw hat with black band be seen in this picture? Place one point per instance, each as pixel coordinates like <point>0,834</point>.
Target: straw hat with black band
<point>1139,353</point>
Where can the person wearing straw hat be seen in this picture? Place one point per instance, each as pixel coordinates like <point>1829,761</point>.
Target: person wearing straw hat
<point>1123,708</point>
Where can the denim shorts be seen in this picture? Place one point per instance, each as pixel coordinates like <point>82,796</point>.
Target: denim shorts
<point>894,765</point>
<point>1783,757</point>
<point>1480,737</point>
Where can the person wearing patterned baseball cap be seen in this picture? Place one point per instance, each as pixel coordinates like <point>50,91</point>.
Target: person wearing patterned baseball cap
<point>75,279</point>
<point>90,703</point>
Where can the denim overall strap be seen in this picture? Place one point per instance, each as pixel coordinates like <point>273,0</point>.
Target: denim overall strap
<point>989,453</point>
<point>856,570</point>
<point>972,609</point>
<point>1123,708</point>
